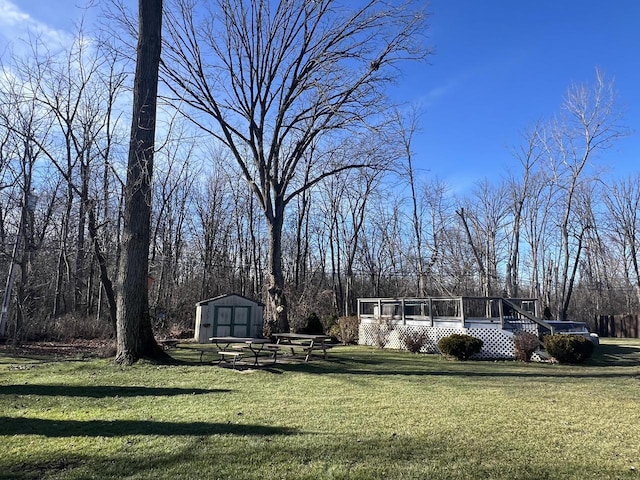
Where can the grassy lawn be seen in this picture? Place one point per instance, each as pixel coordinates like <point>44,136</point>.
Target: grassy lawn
<point>365,414</point>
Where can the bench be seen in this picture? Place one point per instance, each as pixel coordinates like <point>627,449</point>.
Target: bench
<point>305,348</point>
<point>311,349</point>
<point>224,356</point>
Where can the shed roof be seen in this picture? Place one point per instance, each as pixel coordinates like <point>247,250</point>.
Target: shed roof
<point>220,297</point>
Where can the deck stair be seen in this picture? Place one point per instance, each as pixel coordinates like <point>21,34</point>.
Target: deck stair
<point>527,315</point>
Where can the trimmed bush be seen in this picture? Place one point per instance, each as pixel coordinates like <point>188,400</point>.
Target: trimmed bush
<point>525,344</point>
<point>460,346</point>
<point>568,348</point>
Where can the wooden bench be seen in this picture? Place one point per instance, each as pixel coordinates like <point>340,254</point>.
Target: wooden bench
<point>272,349</point>
<point>224,356</point>
<point>324,349</point>
<point>305,348</point>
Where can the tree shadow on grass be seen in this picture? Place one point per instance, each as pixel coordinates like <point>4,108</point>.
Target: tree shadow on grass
<point>118,428</point>
<point>102,391</point>
<point>356,455</point>
<point>405,365</point>
<point>615,355</point>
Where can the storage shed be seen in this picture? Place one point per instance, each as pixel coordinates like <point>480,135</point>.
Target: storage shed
<point>228,315</point>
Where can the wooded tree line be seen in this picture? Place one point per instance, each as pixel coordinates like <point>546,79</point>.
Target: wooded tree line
<point>270,172</point>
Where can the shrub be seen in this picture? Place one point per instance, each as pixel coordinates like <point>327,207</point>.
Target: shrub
<point>568,348</point>
<point>74,326</point>
<point>414,340</point>
<point>345,330</point>
<point>312,325</point>
<point>526,343</point>
<point>460,346</point>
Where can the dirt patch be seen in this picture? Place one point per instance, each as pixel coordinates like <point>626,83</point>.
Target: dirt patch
<point>73,349</point>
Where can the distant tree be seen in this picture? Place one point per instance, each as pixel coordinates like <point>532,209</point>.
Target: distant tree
<point>77,88</point>
<point>134,330</point>
<point>438,207</point>
<point>406,130</point>
<point>587,125</point>
<point>344,202</point>
<point>24,126</point>
<point>483,220</point>
<point>623,207</point>
<point>519,193</point>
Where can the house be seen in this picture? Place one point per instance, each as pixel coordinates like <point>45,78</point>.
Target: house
<point>228,315</point>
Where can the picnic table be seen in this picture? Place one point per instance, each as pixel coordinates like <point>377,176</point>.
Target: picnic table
<point>233,347</point>
<point>308,343</point>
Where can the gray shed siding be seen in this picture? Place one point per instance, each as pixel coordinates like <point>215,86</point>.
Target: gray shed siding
<point>228,315</point>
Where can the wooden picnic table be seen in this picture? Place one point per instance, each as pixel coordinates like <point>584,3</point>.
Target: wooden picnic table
<point>304,341</point>
<point>225,346</point>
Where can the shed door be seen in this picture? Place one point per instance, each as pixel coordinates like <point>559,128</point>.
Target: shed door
<point>241,322</point>
<point>231,321</point>
<point>222,321</point>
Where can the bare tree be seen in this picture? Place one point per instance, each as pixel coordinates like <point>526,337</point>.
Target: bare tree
<point>78,88</point>
<point>26,127</point>
<point>134,331</point>
<point>345,204</point>
<point>176,172</point>
<point>623,207</point>
<point>483,221</point>
<point>519,191</point>
<point>438,208</point>
<point>587,125</point>
<point>538,209</point>
<point>594,288</point>
<point>406,130</point>
<point>271,80</point>
<point>212,228</point>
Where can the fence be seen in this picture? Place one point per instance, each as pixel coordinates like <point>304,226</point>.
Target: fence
<point>621,326</point>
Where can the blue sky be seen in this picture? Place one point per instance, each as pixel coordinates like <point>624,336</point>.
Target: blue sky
<point>498,67</point>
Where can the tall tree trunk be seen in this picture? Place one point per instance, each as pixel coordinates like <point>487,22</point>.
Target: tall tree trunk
<point>278,321</point>
<point>135,335</point>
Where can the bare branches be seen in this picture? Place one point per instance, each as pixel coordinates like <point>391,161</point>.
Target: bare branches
<point>274,81</point>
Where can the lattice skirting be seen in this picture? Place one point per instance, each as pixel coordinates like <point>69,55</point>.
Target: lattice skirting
<point>497,344</point>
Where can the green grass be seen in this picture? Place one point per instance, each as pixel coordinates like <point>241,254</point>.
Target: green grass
<point>366,414</point>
